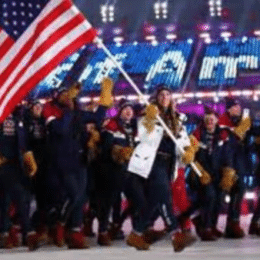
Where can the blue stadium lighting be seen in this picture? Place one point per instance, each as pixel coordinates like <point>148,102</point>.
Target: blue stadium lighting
<point>170,28</point>
<point>208,40</point>
<point>244,39</point>
<point>161,9</point>
<point>190,41</point>
<point>224,61</point>
<point>154,43</point>
<point>165,63</point>
<point>117,31</point>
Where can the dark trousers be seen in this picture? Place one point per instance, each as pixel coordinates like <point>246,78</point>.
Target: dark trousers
<point>256,215</point>
<point>146,195</point>
<point>13,185</point>
<point>236,197</point>
<point>210,202</point>
<point>40,190</point>
<point>109,182</point>
<point>238,190</point>
<point>66,193</point>
<point>207,200</point>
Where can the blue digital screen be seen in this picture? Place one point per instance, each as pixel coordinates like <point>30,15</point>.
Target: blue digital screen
<point>56,77</point>
<point>165,63</point>
<point>223,61</point>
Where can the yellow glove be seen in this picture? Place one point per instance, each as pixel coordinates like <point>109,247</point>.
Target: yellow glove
<point>29,164</point>
<point>228,180</point>
<point>205,178</point>
<point>94,139</point>
<point>74,90</point>
<point>257,140</point>
<point>106,97</point>
<point>149,121</point>
<point>191,150</point>
<point>126,153</point>
<point>65,100</point>
<point>151,112</point>
<point>243,127</point>
<point>121,154</point>
<point>3,160</point>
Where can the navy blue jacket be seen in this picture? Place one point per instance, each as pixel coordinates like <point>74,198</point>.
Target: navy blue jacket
<point>221,154</point>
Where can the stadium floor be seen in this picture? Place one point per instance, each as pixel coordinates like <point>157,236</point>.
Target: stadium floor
<point>247,248</point>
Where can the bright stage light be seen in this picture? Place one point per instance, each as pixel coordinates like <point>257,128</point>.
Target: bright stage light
<point>170,28</point>
<point>103,8</point>
<point>257,32</point>
<point>161,9</point>
<point>215,8</point>
<point>204,35</point>
<point>165,16</point>
<point>157,6</point>
<point>226,34</point>
<point>107,13</point>
<point>118,39</point>
<point>150,37</point>
<point>154,43</point>
<point>250,195</point>
<point>164,5</point>
<point>208,40</point>
<point>189,41</point>
<point>117,31</point>
<point>171,36</point>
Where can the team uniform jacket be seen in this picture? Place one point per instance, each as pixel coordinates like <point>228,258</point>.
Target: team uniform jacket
<point>215,151</point>
<point>239,147</point>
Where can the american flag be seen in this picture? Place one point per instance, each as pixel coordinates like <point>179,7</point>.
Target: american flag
<point>35,36</point>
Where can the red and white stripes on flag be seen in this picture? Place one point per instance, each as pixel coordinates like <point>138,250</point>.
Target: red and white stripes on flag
<point>58,31</point>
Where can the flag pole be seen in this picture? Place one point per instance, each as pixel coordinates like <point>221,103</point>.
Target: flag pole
<point>140,94</point>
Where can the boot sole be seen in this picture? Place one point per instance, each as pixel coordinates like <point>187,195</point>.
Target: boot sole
<point>189,243</point>
<point>137,247</point>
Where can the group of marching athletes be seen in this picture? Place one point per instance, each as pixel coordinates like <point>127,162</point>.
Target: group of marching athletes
<point>65,157</point>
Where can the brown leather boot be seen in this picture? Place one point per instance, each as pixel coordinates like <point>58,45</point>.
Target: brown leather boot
<point>217,233</point>
<point>14,238</point>
<point>151,236</point>
<point>254,229</point>
<point>116,232</point>
<point>198,224</point>
<point>35,240</point>
<point>207,235</point>
<point>104,239</point>
<point>3,239</point>
<point>182,240</point>
<point>88,227</point>
<point>58,235</point>
<point>76,240</point>
<point>233,230</point>
<point>137,241</point>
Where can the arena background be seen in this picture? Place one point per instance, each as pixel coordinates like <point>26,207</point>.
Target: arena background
<point>204,50</point>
